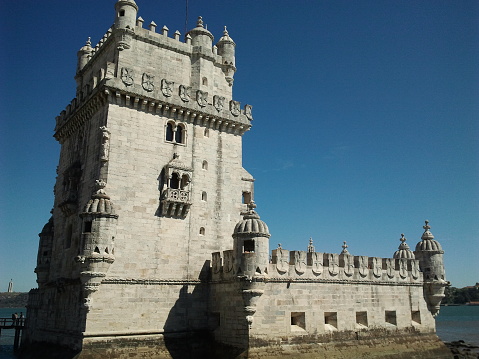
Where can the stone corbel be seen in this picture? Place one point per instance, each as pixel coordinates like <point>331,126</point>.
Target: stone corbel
<point>252,291</point>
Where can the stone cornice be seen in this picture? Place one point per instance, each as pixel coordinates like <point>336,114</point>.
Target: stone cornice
<point>173,107</point>
<point>326,281</point>
<point>77,114</point>
<point>136,281</point>
<point>114,91</point>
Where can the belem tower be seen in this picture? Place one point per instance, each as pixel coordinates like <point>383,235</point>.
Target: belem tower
<point>155,249</point>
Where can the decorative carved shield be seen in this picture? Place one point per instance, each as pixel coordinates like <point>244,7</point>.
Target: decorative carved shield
<point>147,81</point>
<point>167,87</point>
<point>317,262</point>
<point>390,267</point>
<point>127,76</point>
<point>299,261</point>
<point>247,112</point>
<point>218,102</point>
<point>202,98</point>
<point>403,268</point>
<point>348,265</point>
<point>216,258</point>
<point>415,269</point>
<point>185,93</point>
<point>333,263</point>
<point>228,261</point>
<point>377,266</point>
<point>363,266</point>
<point>235,108</point>
<point>282,263</point>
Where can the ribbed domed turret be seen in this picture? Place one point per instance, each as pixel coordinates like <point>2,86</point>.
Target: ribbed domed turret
<point>100,201</point>
<point>251,224</point>
<point>404,251</point>
<point>428,243</point>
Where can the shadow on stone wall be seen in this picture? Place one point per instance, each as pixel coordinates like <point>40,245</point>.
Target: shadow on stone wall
<point>189,333</point>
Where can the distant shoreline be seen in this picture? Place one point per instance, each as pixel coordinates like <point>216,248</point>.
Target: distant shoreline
<point>13,299</point>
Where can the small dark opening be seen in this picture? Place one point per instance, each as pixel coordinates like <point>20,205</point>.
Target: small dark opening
<point>179,134</point>
<point>122,12</point>
<point>169,132</point>
<point>87,227</point>
<point>174,181</point>
<point>248,246</point>
<point>184,181</point>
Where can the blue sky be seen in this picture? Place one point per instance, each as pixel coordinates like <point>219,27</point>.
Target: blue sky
<point>365,118</point>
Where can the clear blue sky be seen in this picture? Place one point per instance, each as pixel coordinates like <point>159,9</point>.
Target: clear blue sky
<point>365,118</point>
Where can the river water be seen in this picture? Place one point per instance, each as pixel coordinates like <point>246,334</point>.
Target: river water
<point>453,323</point>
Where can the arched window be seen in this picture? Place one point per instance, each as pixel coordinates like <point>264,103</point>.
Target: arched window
<point>205,81</point>
<point>184,181</point>
<point>169,131</point>
<point>204,165</point>
<point>180,134</point>
<point>174,181</point>
<point>207,132</point>
<point>204,196</point>
<point>246,197</point>
<point>202,231</point>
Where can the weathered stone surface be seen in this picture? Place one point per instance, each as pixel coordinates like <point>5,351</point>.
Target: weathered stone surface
<point>155,249</point>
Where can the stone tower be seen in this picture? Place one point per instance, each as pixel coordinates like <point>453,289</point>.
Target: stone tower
<point>149,183</point>
<point>430,255</point>
<point>155,249</point>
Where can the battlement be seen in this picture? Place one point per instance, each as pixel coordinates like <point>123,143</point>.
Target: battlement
<point>286,266</point>
<point>110,71</point>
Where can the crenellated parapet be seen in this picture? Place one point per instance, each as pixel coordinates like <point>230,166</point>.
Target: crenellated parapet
<point>325,267</point>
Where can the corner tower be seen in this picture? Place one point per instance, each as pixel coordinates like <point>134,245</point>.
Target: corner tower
<point>155,126</point>
<point>430,255</point>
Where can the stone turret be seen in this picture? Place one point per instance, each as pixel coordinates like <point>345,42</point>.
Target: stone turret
<point>430,255</point>
<point>126,12</point>
<point>125,22</point>
<point>98,236</point>
<point>251,244</point>
<point>226,49</point>
<point>201,36</point>
<point>44,253</point>
<point>84,55</point>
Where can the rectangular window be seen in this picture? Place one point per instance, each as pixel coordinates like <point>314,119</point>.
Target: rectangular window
<point>361,320</point>
<point>416,317</point>
<point>331,321</point>
<point>391,317</point>
<point>298,322</point>
<point>248,246</point>
<point>87,227</point>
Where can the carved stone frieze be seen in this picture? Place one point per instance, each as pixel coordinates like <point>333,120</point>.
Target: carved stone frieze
<point>363,268</point>
<point>218,102</point>
<point>376,265</point>
<point>147,81</point>
<point>228,261</point>
<point>333,265</point>
<point>248,112</point>
<point>403,268</point>
<point>348,264</point>
<point>298,259</point>
<point>167,87</point>
<point>235,108</point>
<point>202,98</point>
<point>127,76</point>
<point>315,260</point>
<point>390,267</point>
<point>185,93</point>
